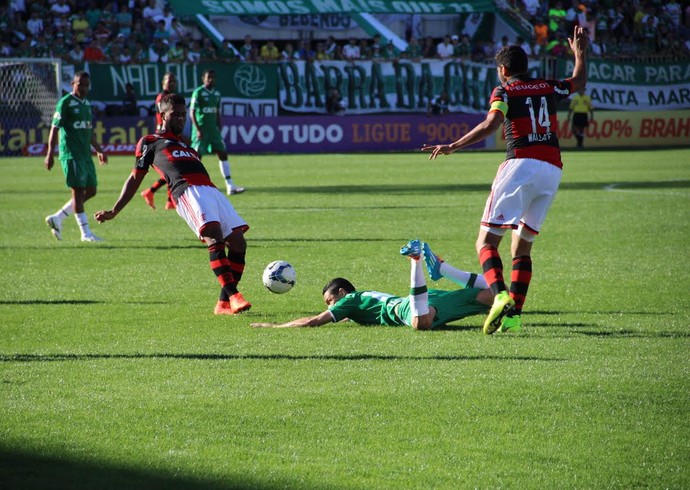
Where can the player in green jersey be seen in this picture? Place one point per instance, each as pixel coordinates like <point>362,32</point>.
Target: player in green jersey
<point>423,309</point>
<point>74,123</point>
<point>206,137</point>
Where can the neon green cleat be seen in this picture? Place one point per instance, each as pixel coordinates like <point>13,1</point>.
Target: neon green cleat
<point>503,303</point>
<point>511,324</point>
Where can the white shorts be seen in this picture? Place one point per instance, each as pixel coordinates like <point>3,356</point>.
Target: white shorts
<point>521,194</point>
<point>201,204</point>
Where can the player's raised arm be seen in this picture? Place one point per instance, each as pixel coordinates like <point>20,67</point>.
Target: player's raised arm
<point>578,45</point>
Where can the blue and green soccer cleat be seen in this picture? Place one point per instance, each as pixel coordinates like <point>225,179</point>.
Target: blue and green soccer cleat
<point>412,249</point>
<point>503,303</point>
<point>433,262</point>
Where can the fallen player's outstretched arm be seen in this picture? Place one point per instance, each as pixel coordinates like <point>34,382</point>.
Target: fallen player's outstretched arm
<point>308,321</point>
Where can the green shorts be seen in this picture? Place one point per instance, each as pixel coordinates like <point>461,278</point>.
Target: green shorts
<point>79,173</point>
<point>212,142</point>
<point>450,306</point>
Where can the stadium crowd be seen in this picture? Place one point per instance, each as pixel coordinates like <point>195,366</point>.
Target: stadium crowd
<point>141,31</point>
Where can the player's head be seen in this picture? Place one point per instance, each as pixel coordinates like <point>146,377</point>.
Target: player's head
<point>209,79</point>
<point>336,289</point>
<point>511,61</point>
<point>169,82</point>
<point>173,112</point>
<point>81,82</point>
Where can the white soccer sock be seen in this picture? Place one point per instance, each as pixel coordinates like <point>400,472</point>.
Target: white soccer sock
<point>225,171</point>
<point>83,222</point>
<point>419,296</point>
<point>64,211</point>
<point>463,278</point>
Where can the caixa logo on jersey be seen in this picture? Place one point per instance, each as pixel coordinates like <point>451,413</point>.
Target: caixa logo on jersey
<point>184,154</point>
<point>82,125</point>
<point>250,80</point>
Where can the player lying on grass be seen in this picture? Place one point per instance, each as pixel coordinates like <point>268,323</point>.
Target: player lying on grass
<point>422,310</point>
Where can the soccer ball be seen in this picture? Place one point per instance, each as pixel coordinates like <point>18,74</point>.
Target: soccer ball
<point>279,277</point>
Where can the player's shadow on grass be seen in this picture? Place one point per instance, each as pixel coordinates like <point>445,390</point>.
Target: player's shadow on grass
<point>23,469</point>
<point>458,188</point>
<point>263,357</point>
<point>52,302</point>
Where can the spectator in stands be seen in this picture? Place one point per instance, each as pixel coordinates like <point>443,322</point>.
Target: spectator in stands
<point>413,50</point>
<point>269,52</point>
<point>627,47</point>
<point>305,51</point>
<point>35,24</point>
<point>463,50</point>
<point>332,48</point>
<point>366,51</point>
<point>247,49</point>
<point>5,49</point>
<point>334,103</point>
<point>673,10</point>
<point>161,31</point>
<point>556,15</point>
<point>39,46</point>
<point>76,54</point>
<point>123,20</point>
<point>138,34</point>
<point>108,17</point>
<point>391,53</point>
<point>93,13</point>
<point>167,17</point>
<point>59,49</point>
<point>208,51</point>
<point>60,8</point>
<point>541,32</point>
<point>158,51</point>
<point>444,49</point>
<point>558,48</point>
<point>227,52</point>
<point>531,7</point>
<point>126,56</point>
<point>94,53</point>
<point>80,26</point>
<point>101,32</point>
<point>150,13</point>
<point>439,105</point>
<point>429,48</point>
<point>350,51</point>
<point>194,53</point>
<point>113,50</point>
<point>179,32</point>
<point>177,54</point>
<point>321,52</point>
<point>377,54</point>
<point>140,54</point>
<point>288,52</point>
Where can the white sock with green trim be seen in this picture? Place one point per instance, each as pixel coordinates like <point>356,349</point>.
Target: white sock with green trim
<point>83,222</point>
<point>463,278</point>
<point>419,295</point>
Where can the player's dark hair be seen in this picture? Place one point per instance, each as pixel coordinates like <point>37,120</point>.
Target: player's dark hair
<point>81,74</point>
<point>207,72</point>
<point>513,58</point>
<point>169,100</point>
<point>336,284</point>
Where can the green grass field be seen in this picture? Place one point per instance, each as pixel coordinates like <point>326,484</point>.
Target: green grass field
<point>114,373</point>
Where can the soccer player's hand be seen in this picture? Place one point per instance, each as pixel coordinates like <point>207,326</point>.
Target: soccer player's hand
<point>102,158</point>
<point>102,216</point>
<point>437,150</point>
<point>578,43</point>
<point>48,162</point>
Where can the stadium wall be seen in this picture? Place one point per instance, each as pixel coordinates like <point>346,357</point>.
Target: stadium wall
<point>376,133</point>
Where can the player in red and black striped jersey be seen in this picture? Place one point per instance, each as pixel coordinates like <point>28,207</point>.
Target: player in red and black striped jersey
<point>528,179</point>
<point>169,85</point>
<point>205,209</point>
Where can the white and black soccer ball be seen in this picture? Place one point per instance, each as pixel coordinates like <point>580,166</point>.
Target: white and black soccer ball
<point>279,277</point>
